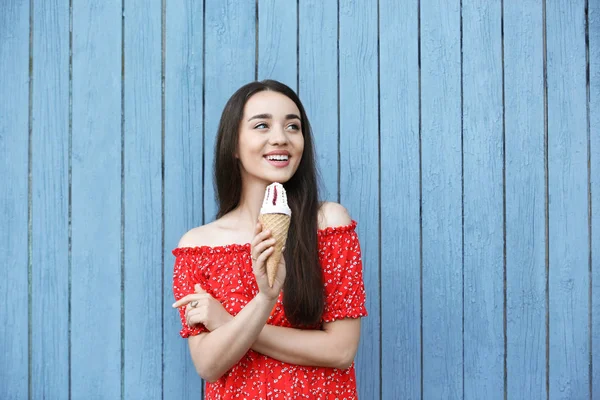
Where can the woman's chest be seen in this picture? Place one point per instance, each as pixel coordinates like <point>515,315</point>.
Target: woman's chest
<point>232,283</point>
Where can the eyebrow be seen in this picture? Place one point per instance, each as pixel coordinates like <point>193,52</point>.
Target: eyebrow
<point>269,116</point>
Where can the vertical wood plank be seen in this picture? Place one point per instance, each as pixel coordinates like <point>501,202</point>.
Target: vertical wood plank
<point>525,200</point>
<point>277,44</point>
<point>319,86</point>
<point>594,138</point>
<point>50,201</point>
<point>96,200</point>
<point>359,172</point>
<point>14,150</point>
<point>400,200</point>
<point>483,200</point>
<point>229,63</point>
<point>183,173</point>
<point>568,200</point>
<point>441,199</point>
<point>142,368</point>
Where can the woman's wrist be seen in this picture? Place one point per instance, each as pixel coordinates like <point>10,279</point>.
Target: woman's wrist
<point>265,301</point>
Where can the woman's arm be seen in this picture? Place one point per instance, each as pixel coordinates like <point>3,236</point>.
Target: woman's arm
<point>335,346</point>
<point>214,353</point>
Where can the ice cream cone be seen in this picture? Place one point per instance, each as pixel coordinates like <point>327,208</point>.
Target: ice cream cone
<point>278,224</point>
<point>275,215</point>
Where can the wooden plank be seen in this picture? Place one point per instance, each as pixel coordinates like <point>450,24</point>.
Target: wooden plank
<point>400,200</point>
<point>277,41</point>
<point>359,174</point>
<point>142,369</point>
<point>525,200</point>
<point>483,200</point>
<point>594,138</point>
<point>319,86</point>
<point>229,63</point>
<point>183,199</point>
<point>96,201</point>
<point>568,200</point>
<point>441,199</point>
<point>50,201</point>
<point>14,156</point>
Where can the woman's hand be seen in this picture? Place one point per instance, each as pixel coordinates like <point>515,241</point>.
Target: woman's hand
<point>261,249</point>
<point>203,309</point>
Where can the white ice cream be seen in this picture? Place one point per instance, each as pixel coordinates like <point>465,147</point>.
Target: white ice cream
<point>275,201</point>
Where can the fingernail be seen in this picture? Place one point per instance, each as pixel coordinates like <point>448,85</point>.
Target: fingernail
<point>173,305</point>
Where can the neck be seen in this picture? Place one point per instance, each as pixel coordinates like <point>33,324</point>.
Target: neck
<point>251,199</point>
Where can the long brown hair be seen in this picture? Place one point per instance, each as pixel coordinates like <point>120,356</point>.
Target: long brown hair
<point>303,289</point>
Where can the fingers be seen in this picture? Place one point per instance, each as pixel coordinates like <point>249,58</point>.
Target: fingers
<point>261,247</point>
<point>185,300</point>
<point>262,258</point>
<point>257,228</point>
<point>194,316</point>
<point>260,236</point>
<point>261,242</point>
<point>197,309</point>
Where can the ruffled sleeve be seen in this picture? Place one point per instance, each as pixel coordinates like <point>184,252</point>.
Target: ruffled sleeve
<point>340,256</point>
<point>187,273</point>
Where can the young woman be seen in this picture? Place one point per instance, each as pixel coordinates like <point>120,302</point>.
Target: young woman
<point>298,338</point>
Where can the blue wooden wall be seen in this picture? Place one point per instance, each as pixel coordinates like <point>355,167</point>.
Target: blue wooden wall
<point>463,135</point>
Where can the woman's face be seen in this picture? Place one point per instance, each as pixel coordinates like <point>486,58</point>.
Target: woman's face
<point>271,140</point>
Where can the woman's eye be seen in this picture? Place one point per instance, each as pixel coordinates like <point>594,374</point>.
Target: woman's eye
<point>262,125</point>
<point>294,127</point>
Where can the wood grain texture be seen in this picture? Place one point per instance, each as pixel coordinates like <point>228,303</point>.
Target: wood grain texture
<point>400,201</point>
<point>96,201</point>
<point>50,201</point>
<point>525,200</point>
<point>594,137</point>
<point>398,160</point>
<point>229,63</point>
<point>318,89</point>
<point>568,201</point>
<point>277,41</point>
<point>14,150</point>
<point>441,199</point>
<point>183,172</point>
<point>143,289</point>
<point>483,200</point>
<point>359,172</point>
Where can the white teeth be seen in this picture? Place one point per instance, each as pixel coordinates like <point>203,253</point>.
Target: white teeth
<point>277,158</point>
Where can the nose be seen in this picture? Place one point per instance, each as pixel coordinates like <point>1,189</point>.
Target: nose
<point>278,136</point>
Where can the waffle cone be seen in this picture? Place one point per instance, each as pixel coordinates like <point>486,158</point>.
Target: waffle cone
<point>278,224</point>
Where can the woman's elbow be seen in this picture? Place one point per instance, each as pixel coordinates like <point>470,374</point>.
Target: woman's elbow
<point>345,363</point>
<point>205,362</point>
<point>345,359</point>
<point>210,378</point>
<point>207,373</point>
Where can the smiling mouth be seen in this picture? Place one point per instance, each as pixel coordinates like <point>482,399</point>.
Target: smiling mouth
<point>278,160</point>
<point>277,157</point>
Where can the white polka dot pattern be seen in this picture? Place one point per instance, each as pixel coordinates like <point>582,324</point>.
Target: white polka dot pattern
<point>226,273</point>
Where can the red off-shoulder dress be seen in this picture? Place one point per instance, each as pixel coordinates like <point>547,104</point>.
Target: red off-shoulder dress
<point>226,273</point>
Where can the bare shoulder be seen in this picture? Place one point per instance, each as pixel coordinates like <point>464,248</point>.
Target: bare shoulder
<point>200,236</point>
<point>333,214</point>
